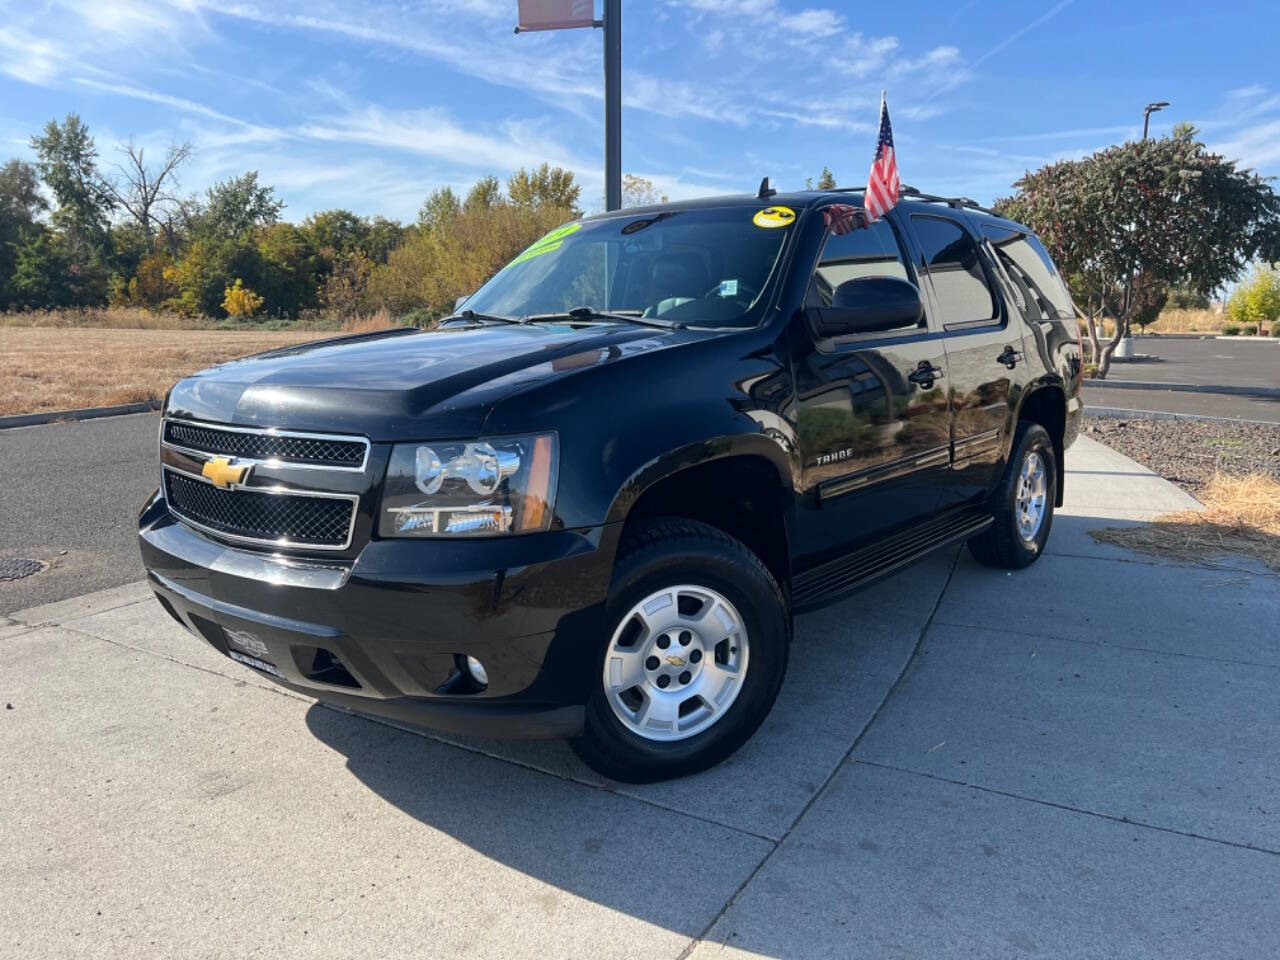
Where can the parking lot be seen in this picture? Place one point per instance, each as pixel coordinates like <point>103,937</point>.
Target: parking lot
<point>1075,760</point>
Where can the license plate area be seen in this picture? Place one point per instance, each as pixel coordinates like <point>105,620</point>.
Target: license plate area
<point>256,663</point>
<point>242,646</point>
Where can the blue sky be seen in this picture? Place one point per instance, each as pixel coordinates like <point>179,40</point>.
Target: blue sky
<point>371,106</point>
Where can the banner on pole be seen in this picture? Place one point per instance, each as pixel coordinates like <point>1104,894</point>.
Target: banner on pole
<point>555,14</point>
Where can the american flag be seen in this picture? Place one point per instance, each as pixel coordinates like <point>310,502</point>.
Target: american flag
<point>882,182</point>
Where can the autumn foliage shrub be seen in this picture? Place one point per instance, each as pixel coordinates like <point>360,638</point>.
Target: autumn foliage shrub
<point>240,301</point>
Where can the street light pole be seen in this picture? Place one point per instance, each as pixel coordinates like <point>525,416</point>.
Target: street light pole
<point>613,104</point>
<point>1146,114</point>
<point>1124,348</point>
<point>566,15</point>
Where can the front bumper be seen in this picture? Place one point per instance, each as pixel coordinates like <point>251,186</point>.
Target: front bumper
<point>383,634</point>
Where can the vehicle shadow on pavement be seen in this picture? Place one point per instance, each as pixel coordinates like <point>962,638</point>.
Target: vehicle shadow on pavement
<point>589,843</point>
<point>1008,711</point>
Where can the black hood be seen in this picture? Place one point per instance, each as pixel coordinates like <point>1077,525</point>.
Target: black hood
<point>403,384</point>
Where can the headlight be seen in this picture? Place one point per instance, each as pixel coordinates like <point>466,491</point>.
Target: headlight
<point>480,488</point>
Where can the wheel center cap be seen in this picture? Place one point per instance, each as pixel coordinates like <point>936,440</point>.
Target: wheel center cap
<point>673,659</point>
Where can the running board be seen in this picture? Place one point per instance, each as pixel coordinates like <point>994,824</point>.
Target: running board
<point>842,576</point>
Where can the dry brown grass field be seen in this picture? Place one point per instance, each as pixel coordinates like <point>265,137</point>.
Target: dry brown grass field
<point>66,359</point>
<point>52,368</point>
<point>1174,320</point>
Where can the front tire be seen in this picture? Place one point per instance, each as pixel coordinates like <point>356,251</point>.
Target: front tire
<point>1023,503</point>
<point>693,657</point>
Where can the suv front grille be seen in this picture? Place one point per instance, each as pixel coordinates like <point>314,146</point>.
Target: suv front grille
<point>316,521</point>
<point>319,451</point>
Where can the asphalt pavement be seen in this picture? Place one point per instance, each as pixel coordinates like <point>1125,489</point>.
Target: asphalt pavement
<point>1223,360</point>
<point>1264,409</point>
<point>70,495</point>
<point>1075,760</point>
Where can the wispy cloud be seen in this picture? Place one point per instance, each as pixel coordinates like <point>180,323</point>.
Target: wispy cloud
<point>182,104</point>
<point>1002,45</point>
<point>434,133</point>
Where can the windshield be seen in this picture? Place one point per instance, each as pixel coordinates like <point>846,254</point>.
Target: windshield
<point>707,267</point>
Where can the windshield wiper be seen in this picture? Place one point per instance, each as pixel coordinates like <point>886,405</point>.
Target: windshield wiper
<point>478,317</point>
<point>590,313</point>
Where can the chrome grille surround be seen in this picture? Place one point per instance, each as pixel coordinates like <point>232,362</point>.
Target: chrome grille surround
<point>265,516</point>
<point>318,451</point>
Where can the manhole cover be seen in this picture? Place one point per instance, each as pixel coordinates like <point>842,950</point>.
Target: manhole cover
<point>19,567</point>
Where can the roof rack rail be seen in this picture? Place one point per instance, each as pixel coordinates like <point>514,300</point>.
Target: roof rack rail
<point>958,203</point>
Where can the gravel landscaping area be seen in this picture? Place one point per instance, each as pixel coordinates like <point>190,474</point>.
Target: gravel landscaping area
<point>1189,452</point>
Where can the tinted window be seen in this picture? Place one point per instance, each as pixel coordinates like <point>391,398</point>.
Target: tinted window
<point>951,258</point>
<point>705,267</point>
<point>866,251</point>
<point>1030,268</point>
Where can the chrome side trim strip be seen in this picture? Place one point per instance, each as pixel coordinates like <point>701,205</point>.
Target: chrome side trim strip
<point>977,444</point>
<point>267,432</point>
<point>353,498</point>
<point>838,486</point>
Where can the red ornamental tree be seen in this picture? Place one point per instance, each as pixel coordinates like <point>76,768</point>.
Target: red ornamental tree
<point>1130,221</point>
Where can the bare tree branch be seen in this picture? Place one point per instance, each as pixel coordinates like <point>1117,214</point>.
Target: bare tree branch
<point>144,192</point>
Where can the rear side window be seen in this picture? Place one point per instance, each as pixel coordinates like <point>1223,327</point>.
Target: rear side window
<point>1025,260</point>
<point>866,251</point>
<point>959,282</point>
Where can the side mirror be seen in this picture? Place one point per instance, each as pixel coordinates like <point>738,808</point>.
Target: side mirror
<point>869,305</point>
<point>457,304</point>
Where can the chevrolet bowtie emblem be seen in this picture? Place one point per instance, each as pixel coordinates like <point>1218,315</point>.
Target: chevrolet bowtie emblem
<point>676,661</point>
<point>220,472</point>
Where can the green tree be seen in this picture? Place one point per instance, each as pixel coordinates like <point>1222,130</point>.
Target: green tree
<point>289,270</point>
<point>826,181</point>
<point>544,186</point>
<point>21,206</point>
<point>208,266</point>
<point>1132,220</point>
<point>68,163</point>
<point>1257,299</point>
<point>485,195</point>
<point>236,206</point>
<point>384,236</point>
<point>440,207</point>
<point>338,230</point>
<point>43,273</point>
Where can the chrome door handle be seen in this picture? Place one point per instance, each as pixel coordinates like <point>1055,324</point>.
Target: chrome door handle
<point>925,374</point>
<point>1010,357</point>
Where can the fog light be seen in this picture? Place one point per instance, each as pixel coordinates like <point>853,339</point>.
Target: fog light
<point>476,669</point>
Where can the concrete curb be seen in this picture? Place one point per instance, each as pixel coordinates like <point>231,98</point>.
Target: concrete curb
<point>1238,391</point>
<point>1126,414</point>
<point>83,413</point>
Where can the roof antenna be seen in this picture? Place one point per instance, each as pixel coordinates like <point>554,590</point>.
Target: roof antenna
<point>766,191</point>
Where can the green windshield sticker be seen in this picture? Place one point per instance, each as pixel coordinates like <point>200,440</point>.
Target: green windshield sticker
<point>548,243</point>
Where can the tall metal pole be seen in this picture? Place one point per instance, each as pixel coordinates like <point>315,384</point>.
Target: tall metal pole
<point>613,104</point>
<point>1146,114</point>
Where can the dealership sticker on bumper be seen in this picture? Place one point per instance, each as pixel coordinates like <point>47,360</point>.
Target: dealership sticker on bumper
<point>254,662</point>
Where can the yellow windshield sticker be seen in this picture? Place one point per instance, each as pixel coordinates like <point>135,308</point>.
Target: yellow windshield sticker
<point>771,217</point>
<point>548,243</point>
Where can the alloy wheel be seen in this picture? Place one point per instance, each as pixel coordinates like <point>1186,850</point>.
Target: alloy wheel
<point>676,663</point>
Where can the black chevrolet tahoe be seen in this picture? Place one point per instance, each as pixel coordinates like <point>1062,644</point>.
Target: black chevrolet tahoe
<point>590,503</point>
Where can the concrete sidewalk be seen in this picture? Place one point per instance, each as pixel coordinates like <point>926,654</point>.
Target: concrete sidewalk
<point>1075,760</point>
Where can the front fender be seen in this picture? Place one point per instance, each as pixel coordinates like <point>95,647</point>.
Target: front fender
<point>691,455</point>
